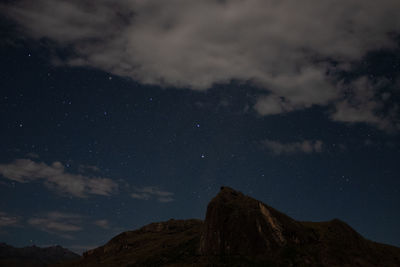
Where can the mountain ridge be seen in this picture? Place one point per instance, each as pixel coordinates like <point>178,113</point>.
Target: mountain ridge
<point>34,255</point>
<point>241,231</point>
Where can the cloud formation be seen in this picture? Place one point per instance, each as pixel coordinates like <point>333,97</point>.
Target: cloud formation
<point>152,192</point>
<point>55,177</point>
<point>59,223</point>
<point>102,224</point>
<point>362,105</point>
<point>8,220</point>
<point>305,146</point>
<point>286,48</point>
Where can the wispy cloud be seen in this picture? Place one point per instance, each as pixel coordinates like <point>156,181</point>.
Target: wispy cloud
<point>102,224</point>
<point>55,177</point>
<point>8,220</point>
<point>306,146</point>
<point>32,155</point>
<point>59,223</point>
<point>362,105</point>
<point>152,192</point>
<point>88,168</point>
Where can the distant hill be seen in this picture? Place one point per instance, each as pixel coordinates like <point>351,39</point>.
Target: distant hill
<point>33,256</point>
<point>241,231</point>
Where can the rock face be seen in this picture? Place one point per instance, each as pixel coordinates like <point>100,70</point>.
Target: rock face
<point>34,256</point>
<point>239,225</point>
<point>241,231</point>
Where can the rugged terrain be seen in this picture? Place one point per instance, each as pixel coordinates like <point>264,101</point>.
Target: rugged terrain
<point>33,256</point>
<point>241,231</point>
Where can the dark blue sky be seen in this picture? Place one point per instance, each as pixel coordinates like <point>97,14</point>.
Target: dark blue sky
<point>163,151</point>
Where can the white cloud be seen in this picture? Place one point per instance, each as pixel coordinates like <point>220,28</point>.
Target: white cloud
<point>152,192</point>
<point>270,105</point>
<point>55,177</point>
<point>284,47</point>
<point>306,146</point>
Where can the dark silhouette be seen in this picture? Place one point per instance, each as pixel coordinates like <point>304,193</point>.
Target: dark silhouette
<point>33,256</point>
<point>241,231</point>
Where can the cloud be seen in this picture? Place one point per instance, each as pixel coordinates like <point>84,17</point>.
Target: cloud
<point>152,192</point>
<point>32,155</point>
<point>102,224</point>
<point>88,168</point>
<point>55,177</point>
<point>286,48</point>
<point>62,224</point>
<point>305,146</point>
<point>8,220</point>
<point>363,105</point>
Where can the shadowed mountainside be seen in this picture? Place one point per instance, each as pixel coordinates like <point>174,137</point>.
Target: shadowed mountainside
<point>34,256</point>
<point>241,231</point>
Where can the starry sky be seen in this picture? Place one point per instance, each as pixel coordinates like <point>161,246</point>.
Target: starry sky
<point>115,115</point>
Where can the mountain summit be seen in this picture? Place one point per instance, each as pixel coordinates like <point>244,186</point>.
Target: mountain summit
<point>240,225</point>
<point>241,231</point>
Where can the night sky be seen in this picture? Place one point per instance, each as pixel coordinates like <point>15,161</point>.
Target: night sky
<point>116,115</point>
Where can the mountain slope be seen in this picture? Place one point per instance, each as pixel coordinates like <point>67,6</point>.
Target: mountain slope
<point>174,241</point>
<point>241,231</point>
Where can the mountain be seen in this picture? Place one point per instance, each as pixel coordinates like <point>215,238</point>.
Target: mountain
<point>34,256</point>
<point>241,231</point>
<point>240,226</point>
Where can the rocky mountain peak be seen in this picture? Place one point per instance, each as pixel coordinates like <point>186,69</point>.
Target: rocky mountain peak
<point>236,224</point>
